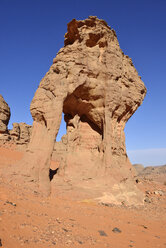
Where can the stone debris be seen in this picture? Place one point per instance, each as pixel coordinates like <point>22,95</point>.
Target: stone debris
<point>145,227</point>
<point>102,233</point>
<point>11,203</point>
<point>159,192</point>
<point>147,199</point>
<point>116,230</point>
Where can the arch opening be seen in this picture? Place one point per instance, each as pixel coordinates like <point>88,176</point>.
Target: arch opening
<point>62,130</point>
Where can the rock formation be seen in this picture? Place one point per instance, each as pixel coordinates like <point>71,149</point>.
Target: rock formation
<point>19,135</point>
<point>4,119</point>
<point>4,115</point>
<point>153,173</point>
<point>98,89</point>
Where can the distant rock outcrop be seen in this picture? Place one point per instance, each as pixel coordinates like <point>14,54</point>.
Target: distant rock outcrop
<point>98,89</point>
<point>4,115</point>
<point>19,135</point>
<point>4,119</point>
<point>138,168</point>
<point>153,173</point>
<point>154,170</point>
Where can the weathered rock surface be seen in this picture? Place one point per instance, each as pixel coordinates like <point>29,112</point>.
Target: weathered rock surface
<point>4,115</point>
<point>98,89</point>
<point>20,134</point>
<point>4,120</point>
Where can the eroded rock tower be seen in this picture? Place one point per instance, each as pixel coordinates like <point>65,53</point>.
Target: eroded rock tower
<point>98,89</point>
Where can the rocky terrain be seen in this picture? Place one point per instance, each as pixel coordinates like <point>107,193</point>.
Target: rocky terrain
<point>71,218</point>
<point>154,173</point>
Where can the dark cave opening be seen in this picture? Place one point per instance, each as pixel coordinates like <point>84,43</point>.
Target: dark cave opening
<point>52,173</point>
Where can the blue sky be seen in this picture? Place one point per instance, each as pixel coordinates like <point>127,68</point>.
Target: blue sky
<point>32,32</point>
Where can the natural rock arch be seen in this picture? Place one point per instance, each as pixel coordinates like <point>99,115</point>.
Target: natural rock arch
<point>98,89</point>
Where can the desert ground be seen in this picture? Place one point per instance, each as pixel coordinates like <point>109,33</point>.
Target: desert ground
<point>27,219</point>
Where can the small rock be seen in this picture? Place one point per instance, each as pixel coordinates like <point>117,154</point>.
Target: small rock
<point>58,220</point>
<point>102,233</point>
<point>147,192</point>
<point>116,230</point>
<point>69,241</point>
<point>0,242</point>
<point>123,203</point>
<point>26,241</point>
<point>35,229</point>
<point>145,227</point>
<point>159,192</point>
<point>106,204</point>
<point>80,242</point>
<point>11,203</point>
<point>147,200</point>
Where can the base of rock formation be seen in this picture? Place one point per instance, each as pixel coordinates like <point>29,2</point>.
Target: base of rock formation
<point>73,216</point>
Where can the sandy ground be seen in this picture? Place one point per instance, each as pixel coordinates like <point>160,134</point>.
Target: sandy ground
<point>29,220</point>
